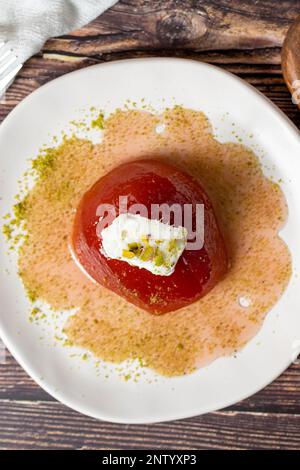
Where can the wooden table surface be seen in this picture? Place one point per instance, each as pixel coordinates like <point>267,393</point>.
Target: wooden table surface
<point>241,36</point>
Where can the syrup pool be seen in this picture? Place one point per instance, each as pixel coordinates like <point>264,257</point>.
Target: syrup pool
<point>250,210</point>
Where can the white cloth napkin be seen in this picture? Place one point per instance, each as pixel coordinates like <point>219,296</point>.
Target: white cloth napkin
<point>26,24</point>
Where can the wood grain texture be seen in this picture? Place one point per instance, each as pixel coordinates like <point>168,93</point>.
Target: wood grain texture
<point>243,37</point>
<point>189,24</point>
<point>42,425</point>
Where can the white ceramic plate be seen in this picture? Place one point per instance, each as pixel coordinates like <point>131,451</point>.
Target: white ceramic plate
<point>162,82</point>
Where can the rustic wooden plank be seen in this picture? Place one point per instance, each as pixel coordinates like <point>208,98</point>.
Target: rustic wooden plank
<point>41,425</point>
<point>189,24</point>
<point>283,395</point>
<point>247,56</point>
<point>15,384</point>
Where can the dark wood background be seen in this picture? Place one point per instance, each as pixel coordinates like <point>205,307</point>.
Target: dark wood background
<point>244,37</point>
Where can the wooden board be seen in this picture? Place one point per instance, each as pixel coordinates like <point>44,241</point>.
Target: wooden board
<point>245,38</point>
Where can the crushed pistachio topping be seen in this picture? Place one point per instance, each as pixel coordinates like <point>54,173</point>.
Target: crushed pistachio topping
<point>145,252</point>
<point>44,162</point>
<point>128,254</point>
<point>145,243</point>
<point>98,122</point>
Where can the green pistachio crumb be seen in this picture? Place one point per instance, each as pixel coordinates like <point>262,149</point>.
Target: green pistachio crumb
<point>7,231</point>
<point>128,254</point>
<point>19,211</point>
<point>172,245</point>
<point>147,253</point>
<point>98,122</point>
<point>133,246</point>
<point>159,260</point>
<point>44,162</point>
